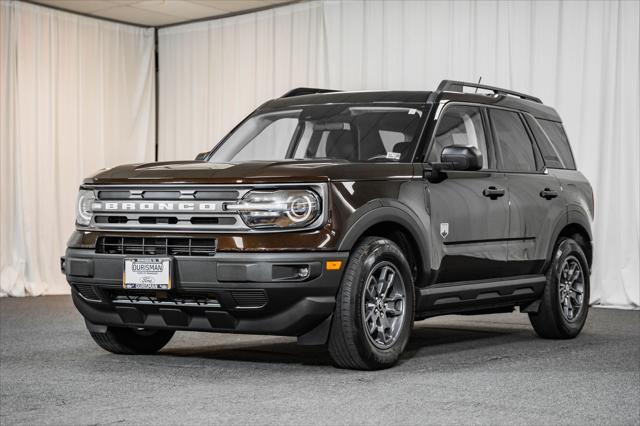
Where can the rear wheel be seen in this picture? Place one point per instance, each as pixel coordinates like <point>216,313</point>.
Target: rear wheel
<point>374,308</point>
<point>565,302</point>
<point>132,341</point>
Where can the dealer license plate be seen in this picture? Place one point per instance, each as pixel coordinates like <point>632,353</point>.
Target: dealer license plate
<point>147,273</point>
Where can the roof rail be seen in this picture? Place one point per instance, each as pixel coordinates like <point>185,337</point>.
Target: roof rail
<point>458,86</point>
<point>299,91</point>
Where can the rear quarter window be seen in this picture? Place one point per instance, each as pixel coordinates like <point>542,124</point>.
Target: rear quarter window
<point>549,152</point>
<point>560,143</point>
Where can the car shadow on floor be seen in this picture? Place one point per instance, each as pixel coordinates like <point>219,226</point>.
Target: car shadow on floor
<point>425,341</point>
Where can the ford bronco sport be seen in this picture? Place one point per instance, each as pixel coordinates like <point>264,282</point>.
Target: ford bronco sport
<point>341,218</point>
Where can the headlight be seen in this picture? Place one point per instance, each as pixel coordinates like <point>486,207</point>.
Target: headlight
<point>84,207</point>
<point>294,208</point>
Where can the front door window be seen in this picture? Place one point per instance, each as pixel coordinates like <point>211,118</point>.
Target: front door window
<point>460,125</point>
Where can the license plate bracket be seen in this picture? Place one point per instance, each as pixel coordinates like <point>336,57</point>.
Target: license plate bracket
<point>147,273</point>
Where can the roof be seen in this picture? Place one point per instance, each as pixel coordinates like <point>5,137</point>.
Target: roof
<point>536,109</point>
<point>382,96</point>
<point>446,91</point>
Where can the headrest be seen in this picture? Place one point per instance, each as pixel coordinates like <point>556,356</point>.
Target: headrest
<point>341,144</point>
<point>319,127</point>
<point>401,147</point>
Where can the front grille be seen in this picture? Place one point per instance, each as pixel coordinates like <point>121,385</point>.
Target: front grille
<point>176,208</point>
<point>167,208</point>
<point>164,220</point>
<point>88,291</point>
<point>249,298</point>
<point>154,246</point>
<point>154,194</point>
<point>178,301</point>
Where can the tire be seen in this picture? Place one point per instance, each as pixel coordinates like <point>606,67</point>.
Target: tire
<point>130,341</point>
<point>351,344</point>
<point>554,320</point>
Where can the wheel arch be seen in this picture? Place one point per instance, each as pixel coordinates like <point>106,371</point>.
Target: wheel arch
<point>396,222</point>
<point>578,227</point>
<point>581,236</point>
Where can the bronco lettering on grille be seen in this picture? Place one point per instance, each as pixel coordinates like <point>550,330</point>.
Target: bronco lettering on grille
<point>114,206</point>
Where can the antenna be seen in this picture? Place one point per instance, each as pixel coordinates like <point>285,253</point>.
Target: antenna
<point>479,80</point>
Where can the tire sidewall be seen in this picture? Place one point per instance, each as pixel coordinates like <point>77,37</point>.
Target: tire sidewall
<point>565,248</point>
<point>378,251</point>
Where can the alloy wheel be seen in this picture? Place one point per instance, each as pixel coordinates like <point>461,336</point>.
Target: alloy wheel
<point>571,288</point>
<point>383,305</point>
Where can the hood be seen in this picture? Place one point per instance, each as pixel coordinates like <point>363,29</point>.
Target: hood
<point>203,172</point>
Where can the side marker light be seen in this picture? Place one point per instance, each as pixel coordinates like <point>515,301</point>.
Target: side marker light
<point>334,265</point>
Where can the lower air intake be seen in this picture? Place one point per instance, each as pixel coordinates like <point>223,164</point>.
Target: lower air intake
<point>154,246</point>
<point>88,292</point>
<point>173,301</point>
<point>249,298</point>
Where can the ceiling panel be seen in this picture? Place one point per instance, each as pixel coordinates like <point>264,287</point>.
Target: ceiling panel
<point>184,9</point>
<point>138,16</point>
<point>158,12</point>
<point>86,6</point>
<point>238,5</point>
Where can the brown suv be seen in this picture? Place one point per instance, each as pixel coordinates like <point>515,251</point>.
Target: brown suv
<point>340,218</point>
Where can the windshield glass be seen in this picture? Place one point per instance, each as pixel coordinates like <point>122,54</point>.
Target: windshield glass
<point>337,132</point>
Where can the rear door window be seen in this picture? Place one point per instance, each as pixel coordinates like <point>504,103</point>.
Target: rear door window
<point>513,141</point>
<point>556,134</point>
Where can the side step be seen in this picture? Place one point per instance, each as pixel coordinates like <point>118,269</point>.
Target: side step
<point>446,298</point>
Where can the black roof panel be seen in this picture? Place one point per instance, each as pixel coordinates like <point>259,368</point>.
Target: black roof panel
<point>396,96</point>
<point>536,109</point>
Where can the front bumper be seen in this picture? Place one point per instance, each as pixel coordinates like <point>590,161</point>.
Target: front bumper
<point>233,292</point>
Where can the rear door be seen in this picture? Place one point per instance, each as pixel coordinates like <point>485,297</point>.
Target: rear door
<point>469,209</point>
<point>535,202</point>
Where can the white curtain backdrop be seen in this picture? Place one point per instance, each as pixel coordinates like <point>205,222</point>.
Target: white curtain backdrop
<point>76,95</point>
<point>212,74</point>
<point>582,57</point>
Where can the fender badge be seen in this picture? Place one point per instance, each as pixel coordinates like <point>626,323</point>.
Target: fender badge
<point>444,229</point>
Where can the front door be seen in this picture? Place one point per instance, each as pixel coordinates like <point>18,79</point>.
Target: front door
<point>469,210</point>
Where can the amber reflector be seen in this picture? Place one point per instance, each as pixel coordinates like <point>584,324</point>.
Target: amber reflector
<point>334,265</point>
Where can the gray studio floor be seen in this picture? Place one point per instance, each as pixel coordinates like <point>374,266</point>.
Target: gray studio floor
<point>486,369</point>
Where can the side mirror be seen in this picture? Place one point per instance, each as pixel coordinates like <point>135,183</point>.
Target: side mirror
<point>459,157</point>
<point>455,157</point>
<point>202,156</point>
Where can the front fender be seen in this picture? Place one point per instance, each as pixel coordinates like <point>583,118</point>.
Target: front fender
<point>387,211</point>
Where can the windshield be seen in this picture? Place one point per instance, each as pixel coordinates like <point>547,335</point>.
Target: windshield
<point>337,132</point>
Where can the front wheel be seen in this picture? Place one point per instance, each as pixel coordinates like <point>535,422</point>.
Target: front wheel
<point>374,308</point>
<point>132,341</point>
<point>565,302</point>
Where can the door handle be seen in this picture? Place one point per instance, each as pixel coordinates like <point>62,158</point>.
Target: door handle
<point>548,193</point>
<point>493,192</point>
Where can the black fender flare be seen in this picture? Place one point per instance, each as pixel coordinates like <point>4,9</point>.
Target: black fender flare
<point>575,216</point>
<point>380,211</point>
